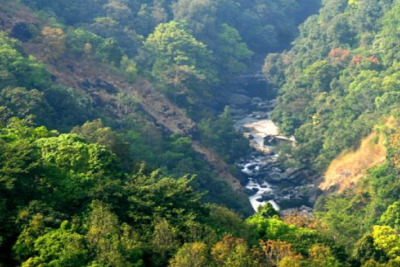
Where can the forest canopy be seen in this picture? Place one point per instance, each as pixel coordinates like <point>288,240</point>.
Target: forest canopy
<point>115,150</point>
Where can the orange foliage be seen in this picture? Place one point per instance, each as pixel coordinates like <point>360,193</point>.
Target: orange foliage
<point>374,60</point>
<point>276,250</point>
<point>300,220</point>
<point>54,40</point>
<point>340,55</point>
<point>349,168</point>
<point>357,60</point>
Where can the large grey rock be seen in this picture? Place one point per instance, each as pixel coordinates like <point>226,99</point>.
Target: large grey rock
<point>239,100</point>
<point>268,195</point>
<point>256,100</point>
<point>274,177</point>
<point>237,113</point>
<point>251,191</point>
<point>259,115</point>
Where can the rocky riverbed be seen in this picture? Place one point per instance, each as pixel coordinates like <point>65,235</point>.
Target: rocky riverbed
<point>269,180</point>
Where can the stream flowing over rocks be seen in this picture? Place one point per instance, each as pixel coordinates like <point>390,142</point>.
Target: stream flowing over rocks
<point>267,179</point>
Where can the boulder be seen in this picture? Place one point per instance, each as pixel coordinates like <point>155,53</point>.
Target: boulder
<point>237,113</point>
<point>260,180</point>
<point>274,177</point>
<point>239,100</point>
<point>251,191</point>
<point>256,101</point>
<point>268,195</point>
<point>270,140</point>
<point>259,115</point>
<point>306,210</point>
<point>313,194</point>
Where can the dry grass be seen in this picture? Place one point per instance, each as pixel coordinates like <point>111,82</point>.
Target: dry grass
<point>349,168</point>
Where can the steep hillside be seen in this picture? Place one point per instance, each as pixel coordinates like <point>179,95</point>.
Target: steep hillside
<point>348,169</point>
<point>339,79</point>
<point>130,88</point>
<point>148,70</point>
<point>116,99</point>
<point>338,86</point>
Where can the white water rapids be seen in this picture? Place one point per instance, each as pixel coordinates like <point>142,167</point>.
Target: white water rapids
<point>258,129</point>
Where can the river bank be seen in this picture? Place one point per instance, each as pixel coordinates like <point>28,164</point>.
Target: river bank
<point>267,179</point>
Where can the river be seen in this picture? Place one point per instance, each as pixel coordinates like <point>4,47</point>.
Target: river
<point>268,180</point>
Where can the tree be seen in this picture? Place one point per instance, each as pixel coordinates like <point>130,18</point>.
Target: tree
<point>222,137</point>
<point>267,211</point>
<point>61,247</point>
<point>365,250</point>
<point>83,42</point>
<point>112,243</point>
<point>23,103</point>
<point>190,255</point>
<point>225,221</point>
<point>19,70</point>
<point>277,251</point>
<point>290,262</point>
<point>272,228</point>
<point>232,252</point>
<point>391,216</point>
<point>78,170</point>
<point>54,42</point>
<point>164,241</point>
<point>109,51</point>
<point>231,52</point>
<point>387,240</point>
<point>24,245</point>
<point>199,14</point>
<point>96,132</point>
<point>154,196</point>
<point>322,256</point>
<point>171,44</point>
<point>118,10</point>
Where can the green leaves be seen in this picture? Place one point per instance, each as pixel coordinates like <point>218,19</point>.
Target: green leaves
<point>16,69</point>
<point>171,45</point>
<point>61,247</point>
<point>222,137</point>
<point>231,52</point>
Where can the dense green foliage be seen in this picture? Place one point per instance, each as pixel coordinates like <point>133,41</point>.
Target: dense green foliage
<point>28,93</point>
<point>338,78</point>
<point>221,136</point>
<point>93,196</point>
<point>68,202</point>
<point>136,195</point>
<point>186,55</point>
<point>188,47</point>
<point>337,84</point>
<point>26,90</point>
